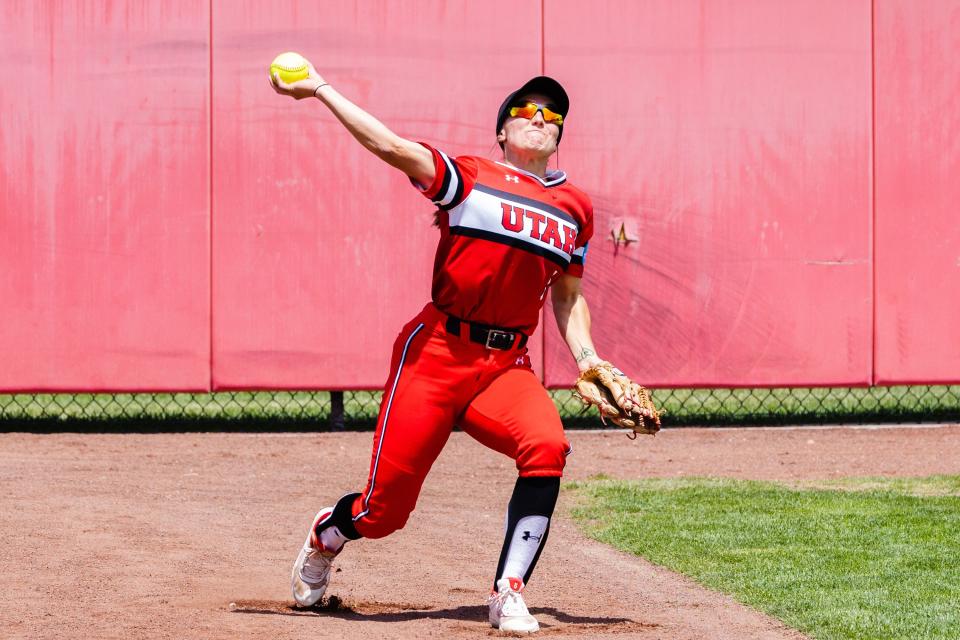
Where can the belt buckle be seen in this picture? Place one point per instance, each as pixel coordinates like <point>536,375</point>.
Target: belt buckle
<point>500,340</point>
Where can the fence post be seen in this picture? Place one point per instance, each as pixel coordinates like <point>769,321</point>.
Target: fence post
<point>336,411</point>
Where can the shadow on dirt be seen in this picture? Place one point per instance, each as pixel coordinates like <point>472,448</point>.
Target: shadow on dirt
<point>404,612</point>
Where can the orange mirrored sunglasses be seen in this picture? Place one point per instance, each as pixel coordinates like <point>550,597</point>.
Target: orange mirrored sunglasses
<point>530,109</point>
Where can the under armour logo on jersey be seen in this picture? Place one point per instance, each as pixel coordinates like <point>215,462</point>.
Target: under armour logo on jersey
<point>528,536</point>
<point>510,177</point>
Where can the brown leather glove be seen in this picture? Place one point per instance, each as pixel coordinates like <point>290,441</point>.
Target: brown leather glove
<point>618,398</point>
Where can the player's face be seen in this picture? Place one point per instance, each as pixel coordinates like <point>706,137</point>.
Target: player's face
<point>531,135</point>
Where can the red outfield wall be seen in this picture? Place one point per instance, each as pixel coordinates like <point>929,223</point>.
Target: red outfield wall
<point>918,191</point>
<point>732,139</point>
<point>104,198</point>
<point>321,251</point>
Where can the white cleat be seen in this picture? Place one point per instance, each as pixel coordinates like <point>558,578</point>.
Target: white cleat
<point>311,571</point>
<point>508,611</point>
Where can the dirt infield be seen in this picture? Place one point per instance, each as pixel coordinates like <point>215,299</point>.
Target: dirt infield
<point>156,536</point>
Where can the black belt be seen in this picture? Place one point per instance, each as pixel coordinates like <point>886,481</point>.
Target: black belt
<point>489,336</point>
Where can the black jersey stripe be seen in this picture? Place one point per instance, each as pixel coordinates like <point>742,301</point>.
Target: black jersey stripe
<point>454,175</point>
<point>445,184</point>
<point>529,202</point>
<point>553,183</point>
<point>458,196</point>
<point>442,200</point>
<point>510,241</point>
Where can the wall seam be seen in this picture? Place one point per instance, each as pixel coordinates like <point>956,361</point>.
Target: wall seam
<point>210,193</point>
<point>543,31</point>
<point>543,309</point>
<point>873,191</point>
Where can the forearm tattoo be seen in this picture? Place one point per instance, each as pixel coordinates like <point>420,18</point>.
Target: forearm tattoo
<point>584,354</point>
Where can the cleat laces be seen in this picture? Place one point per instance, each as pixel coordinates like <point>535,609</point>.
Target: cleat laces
<point>510,603</point>
<point>316,568</point>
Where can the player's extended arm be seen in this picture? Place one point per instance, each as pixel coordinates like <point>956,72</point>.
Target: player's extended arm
<point>573,319</point>
<point>413,159</point>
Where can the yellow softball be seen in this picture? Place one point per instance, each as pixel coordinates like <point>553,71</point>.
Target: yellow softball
<point>290,67</point>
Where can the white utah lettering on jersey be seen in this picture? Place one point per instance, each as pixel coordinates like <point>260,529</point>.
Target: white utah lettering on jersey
<point>522,221</point>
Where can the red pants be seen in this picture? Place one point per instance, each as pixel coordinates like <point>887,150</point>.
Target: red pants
<point>438,380</point>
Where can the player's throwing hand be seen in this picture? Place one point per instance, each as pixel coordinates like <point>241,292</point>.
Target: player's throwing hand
<point>306,88</point>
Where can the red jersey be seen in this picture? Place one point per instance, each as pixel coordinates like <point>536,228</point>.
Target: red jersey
<point>505,236</point>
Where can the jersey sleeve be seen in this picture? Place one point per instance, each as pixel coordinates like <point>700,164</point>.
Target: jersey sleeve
<point>575,268</point>
<point>453,181</point>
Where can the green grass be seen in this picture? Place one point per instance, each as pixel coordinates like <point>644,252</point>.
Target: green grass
<point>879,562</point>
<point>311,409</point>
<point>928,486</point>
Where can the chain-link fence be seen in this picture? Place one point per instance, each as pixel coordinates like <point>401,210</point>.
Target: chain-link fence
<point>357,410</point>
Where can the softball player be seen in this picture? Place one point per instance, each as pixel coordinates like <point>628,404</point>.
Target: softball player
<point>510,231</point>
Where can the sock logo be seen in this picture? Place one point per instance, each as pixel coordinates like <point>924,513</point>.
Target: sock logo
<point>528,536</point>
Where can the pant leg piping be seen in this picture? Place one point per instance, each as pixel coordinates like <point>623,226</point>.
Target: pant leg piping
<point>386,418</point>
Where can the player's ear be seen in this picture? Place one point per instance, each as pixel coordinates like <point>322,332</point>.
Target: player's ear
<point>502,136</point>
